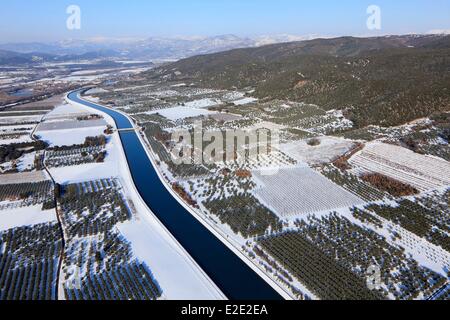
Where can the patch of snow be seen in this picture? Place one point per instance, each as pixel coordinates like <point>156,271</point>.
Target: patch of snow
<point>178,113</point>
<point>203,103</point>
<point>69,137</point>
<point>296,191</point>
<point>330,148</point>
<point>244,101</point>
<point>27,216</point>
<point>177,278</point>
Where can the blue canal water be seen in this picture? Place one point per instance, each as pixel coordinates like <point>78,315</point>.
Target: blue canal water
<point>233,276</point>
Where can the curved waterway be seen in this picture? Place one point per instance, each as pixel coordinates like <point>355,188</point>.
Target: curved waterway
<point>228,271</point>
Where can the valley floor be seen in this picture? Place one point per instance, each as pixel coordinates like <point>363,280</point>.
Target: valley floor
<point>321,202</point>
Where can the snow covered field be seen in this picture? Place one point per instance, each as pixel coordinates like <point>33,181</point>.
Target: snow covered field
<point>92,171</point>
<point>61,128</point>
<point>70,124</point>
<point>179,280</point>
<point>26,216</point>
<point>19,120</point>
<point>203,103</point>
<point>419,171</point>
<point>329,149</point>
<point>69,137</point>
<point>178,113</point>
<point>65,111</point>
<point>298,191</point>
<point>21,139</point>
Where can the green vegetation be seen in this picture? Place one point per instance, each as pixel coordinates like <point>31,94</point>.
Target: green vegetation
<point>29,194</point>
<point>244,214</point>
<point>353,184</point>
<point>107,269</point>
<point>90,142</point>
<point>385,81</point>
<point>425,222</point>
<point>15,150</point>
<point>92,208</point>
<point>29,262</point>
<point>332,255</point>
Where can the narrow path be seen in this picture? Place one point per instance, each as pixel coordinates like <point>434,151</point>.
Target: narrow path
<point>439,292</point>
<point>63,241</point>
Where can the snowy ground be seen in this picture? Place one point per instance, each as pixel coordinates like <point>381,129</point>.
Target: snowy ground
<point>61,128</point>
<point>24,177</point>
<point>27,216</point>
<point>91,171</point>
<point>329,149</point>
<point>71,124</point>
<point>22,139</point>
<point>299,191</point>
<point>18,120</point>
<point>179,280</point>
<point>69,137</point>
<point>425,253</point>
<point>203,103</point>
<point>244,101</point>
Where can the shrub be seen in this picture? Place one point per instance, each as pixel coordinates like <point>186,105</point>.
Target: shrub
<point>313,142</point>
<point>391,186</point>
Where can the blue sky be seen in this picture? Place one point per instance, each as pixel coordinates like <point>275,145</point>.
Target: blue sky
<point>45,20</point>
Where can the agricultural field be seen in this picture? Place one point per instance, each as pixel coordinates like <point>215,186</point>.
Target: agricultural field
<point>20,150</point>
<point>310,118</point>
<point>428,136</point>
<point>244,214</point>
<point>422,172</point>
<point>428,223</point>
<point>29,262</point>
<point>96,253</point>
<point>154,97</point>
<point>19,195</point>
<point>301,191</point>
<point>330,256</point>
<point>353,184</point>
<point>15,134</point>
<point>75,156</point>
<point>328,200</point>
<point>67,125</point>
<point>325,150</point>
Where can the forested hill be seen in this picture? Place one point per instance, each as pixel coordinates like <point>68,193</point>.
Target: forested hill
<point>385,80</point>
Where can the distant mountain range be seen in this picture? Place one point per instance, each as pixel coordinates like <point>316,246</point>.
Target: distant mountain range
<point>17,58</point>
<point>144,49</point>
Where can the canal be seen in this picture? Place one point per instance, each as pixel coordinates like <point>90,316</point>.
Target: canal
<point>228,271</point>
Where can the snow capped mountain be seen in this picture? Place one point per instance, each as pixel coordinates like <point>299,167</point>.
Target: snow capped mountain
<point>160,48</point>
<point>273,39</point>
<point>150,48</point>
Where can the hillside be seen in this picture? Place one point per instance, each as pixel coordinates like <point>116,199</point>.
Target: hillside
<point>15,58</point>
<point>385,81</point>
